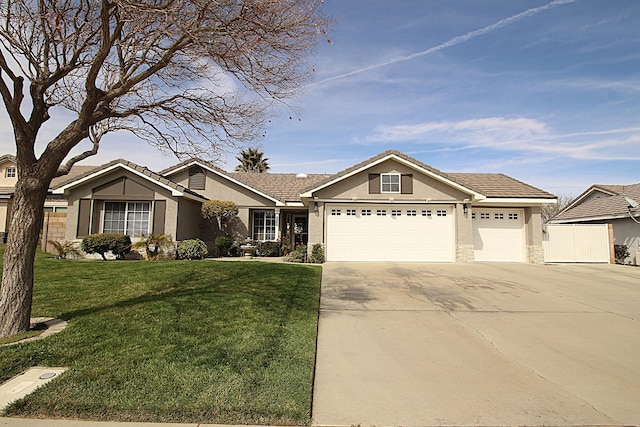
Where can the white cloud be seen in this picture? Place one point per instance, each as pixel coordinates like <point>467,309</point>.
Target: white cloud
<point>522,135</point>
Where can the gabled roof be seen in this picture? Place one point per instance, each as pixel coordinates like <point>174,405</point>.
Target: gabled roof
<point>611,206</point>
<point>382,157</point>
<point>237,178</point>
<point>9,157</point>
<point>478,185</point>
<point>96,172</point>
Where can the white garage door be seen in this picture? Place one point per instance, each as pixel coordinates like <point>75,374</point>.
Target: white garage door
<point>363,232</point>
<point>498,234</point>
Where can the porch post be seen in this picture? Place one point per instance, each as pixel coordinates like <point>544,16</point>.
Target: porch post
<point>277,223</point>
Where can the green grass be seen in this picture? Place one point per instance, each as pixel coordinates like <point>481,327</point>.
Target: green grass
<point>183,341</point>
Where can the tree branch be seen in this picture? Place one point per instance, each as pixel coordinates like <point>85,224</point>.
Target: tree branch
<point>95,138</point>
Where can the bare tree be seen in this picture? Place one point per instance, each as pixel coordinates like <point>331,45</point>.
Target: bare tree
<point>187,76</point>
<point>550,210</point>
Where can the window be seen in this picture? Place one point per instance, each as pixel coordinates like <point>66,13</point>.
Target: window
<point>473,215</point>
<point>365,212</point>
<point>55,209</point>
<point>381,212</point>
<point>335,212</point>
<point>351,212</point>
<point>426,213</point>
<point>390,183</point>
<point>498,216</point>
<point>485,215</point>
<point>513,216</point>
<point>10,172</point>
<point>264,225</point>
<point>411,212</point>
<point>396,212</point>
<point>131,218</point>
<point>441,213</point>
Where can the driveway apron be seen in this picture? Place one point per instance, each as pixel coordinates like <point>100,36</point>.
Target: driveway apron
<point>479,344</point>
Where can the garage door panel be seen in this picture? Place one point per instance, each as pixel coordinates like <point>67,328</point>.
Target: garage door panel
<point>403,233</point>
<point>498,235</point>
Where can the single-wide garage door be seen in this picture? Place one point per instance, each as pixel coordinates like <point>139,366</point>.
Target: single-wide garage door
<point>367,232</point>
<point>498,234</point>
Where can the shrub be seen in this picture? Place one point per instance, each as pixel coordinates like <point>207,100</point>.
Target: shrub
<point>317,254</point>
<point>118,244</point>
<point>621,253</point>
<point>155,245</point>
<point>299,255</point>
<point>223,243</point>
<point>192,249</point>
<point>268,248</point>
<point>66,249</point>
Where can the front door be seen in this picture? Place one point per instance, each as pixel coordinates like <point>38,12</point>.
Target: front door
<point>300,230</point>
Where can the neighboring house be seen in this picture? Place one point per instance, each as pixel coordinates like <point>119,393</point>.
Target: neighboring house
<point>607,204</point>
<point>8,180</point>
<point>390,207</point>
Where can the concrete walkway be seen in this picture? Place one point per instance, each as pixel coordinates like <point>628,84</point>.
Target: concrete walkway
<point>480,344</point>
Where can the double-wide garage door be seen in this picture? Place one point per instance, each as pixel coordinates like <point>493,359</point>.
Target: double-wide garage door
<point>366,232</point>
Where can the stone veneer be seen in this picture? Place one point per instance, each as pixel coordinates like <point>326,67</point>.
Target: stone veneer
<point>535,254</point>
<point>464,254</point>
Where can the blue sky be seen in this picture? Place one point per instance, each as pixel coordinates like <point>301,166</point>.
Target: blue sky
<point>545,91</point>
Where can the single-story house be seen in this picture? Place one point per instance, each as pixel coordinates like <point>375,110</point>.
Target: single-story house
<point>390,207</point>
<point>608,204</point>
<point>8,180</point>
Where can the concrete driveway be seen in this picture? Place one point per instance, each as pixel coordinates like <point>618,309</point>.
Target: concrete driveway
<point>479,344</point>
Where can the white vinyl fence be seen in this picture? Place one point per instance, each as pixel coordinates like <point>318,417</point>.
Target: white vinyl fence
<point>576,243</point>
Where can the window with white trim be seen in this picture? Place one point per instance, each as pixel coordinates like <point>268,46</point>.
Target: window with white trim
<point>513,216</point>
<point>498,216</point>
<point>336,212</point>
<point>381,212</point>
<point>441,213</point>
<point>411,212</point>
<point>351,212</point>
<point>10,172</point>
<point>396,212</point>
<point>485,215</point>
<point>473,215</point>
<point>426,213</point>
<point>264,225</point>
<point>130,218</point>
<point>390,183</point>
<point>365,212</point>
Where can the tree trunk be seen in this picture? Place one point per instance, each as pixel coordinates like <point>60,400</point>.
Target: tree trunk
<point>17,271</point>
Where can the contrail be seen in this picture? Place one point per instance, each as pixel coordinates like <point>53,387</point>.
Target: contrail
<point>454,41</point>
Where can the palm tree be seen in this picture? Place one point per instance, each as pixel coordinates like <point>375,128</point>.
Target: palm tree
<point>251,160</point>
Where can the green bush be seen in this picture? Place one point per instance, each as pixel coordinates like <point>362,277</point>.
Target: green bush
<point>317,254</point>
<point>118,244</point>
<point>223,243</point>
<point>299,255</point>
<point>621,253</point>
<point>192,249</point>
<point>268,248</point>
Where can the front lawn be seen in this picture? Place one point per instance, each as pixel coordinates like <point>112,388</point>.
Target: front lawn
<point>184,341</point>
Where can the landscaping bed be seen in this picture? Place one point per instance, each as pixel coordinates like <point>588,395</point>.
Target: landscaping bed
<point>179,341</point>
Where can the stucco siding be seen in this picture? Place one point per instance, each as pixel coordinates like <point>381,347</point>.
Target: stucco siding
<point>190,223</point>
<point>627,232</point>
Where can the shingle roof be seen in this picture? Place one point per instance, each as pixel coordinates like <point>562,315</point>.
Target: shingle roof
<point>499,185</point>
<point>605,206</point>
<point>141,169</point>
<point>488,184</point>
<point>285,187</point>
